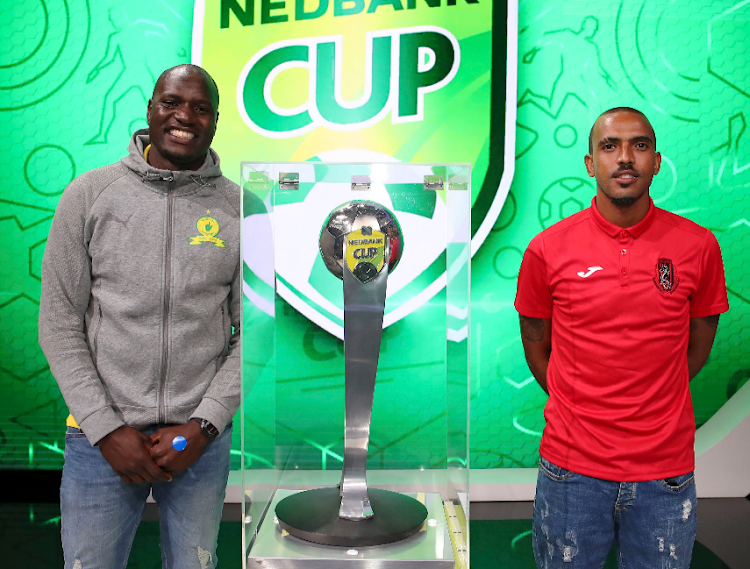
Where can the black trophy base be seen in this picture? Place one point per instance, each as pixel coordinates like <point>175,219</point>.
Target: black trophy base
<point>313,515</point>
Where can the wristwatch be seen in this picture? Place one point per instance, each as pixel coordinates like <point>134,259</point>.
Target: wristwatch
<point>206,427</point>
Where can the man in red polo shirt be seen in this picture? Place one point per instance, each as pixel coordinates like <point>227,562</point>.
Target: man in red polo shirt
<point>619,306</point>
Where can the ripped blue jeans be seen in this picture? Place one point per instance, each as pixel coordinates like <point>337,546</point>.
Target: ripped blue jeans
<point>577,518</point>
<point>100,513</point>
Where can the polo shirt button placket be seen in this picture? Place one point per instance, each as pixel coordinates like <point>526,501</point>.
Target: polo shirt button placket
<point>625,242</point>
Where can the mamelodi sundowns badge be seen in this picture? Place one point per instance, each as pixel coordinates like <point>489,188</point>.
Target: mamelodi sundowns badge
<point>334,81</point>
<point>365,253</point>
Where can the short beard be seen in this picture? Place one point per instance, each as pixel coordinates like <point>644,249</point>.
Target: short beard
<point>623,202</point>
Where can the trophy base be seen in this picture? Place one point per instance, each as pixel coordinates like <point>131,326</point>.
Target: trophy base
<point>313,515</point>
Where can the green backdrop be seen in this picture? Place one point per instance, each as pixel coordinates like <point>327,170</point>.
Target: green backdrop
<point>75,77</point>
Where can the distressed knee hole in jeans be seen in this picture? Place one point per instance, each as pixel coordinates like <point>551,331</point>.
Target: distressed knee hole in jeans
<point>687,507</point>
<point>569,548</point>
<point>204,557</point>
<point>77,564</point>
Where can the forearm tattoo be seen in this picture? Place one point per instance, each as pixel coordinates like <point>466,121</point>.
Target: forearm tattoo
<point>532,329</point>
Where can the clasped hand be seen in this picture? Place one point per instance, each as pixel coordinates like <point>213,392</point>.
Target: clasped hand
<point>139,459</point>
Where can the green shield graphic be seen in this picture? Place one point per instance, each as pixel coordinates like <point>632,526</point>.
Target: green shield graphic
<point>366,81</point>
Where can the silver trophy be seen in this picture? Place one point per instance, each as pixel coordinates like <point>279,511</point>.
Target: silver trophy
<point>361,243</point>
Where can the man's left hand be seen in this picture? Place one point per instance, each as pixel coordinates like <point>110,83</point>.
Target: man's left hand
<point>171,460</point>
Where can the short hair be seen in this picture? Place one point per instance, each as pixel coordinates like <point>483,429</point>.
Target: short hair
<point>618,110</point>
<point>199,69</point>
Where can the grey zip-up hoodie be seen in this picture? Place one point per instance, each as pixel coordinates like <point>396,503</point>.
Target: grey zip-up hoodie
<point>140,291</point>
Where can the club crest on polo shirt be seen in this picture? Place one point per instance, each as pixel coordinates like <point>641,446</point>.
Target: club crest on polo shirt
<point>208,228</point>
<point>666,279</point>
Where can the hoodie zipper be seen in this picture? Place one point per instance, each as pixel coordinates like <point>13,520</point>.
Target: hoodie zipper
<point>162,408</point>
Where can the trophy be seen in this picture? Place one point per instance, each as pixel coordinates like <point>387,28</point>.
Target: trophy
<point>361,243</point>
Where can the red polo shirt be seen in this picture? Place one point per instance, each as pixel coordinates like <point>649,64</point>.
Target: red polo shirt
<point>621,302</point>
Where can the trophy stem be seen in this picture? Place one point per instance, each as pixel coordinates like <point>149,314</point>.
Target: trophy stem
<point>360,243</point>
<point>364,305</point>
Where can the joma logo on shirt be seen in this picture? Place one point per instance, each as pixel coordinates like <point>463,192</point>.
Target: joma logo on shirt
<point>590,272</point>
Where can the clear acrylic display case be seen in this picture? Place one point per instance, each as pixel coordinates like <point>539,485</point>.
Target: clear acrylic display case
<point>292,411</point>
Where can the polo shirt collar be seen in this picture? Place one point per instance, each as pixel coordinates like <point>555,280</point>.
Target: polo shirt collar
<point>614,231</point>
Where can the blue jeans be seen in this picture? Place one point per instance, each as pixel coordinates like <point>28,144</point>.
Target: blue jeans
<point>100,513</point>
<point>577,518</point>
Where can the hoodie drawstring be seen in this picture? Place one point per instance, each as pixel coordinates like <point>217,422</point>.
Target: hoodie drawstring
<point>153,176</point>
<point>201,182</point>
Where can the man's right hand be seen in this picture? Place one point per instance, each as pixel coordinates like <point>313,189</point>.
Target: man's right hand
<point>127,451</point>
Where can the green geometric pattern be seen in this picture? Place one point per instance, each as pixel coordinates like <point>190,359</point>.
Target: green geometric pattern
<point>74,81</point>
<point>75,77</point>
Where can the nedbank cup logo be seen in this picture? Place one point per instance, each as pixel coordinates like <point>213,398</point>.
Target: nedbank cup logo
<point>401,67</point>
<point>362,81</point>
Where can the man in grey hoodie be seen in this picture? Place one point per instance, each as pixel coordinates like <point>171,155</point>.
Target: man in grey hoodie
<point>140,322</point>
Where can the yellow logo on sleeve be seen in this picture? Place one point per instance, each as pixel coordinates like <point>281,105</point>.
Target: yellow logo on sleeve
<point>209,229</point>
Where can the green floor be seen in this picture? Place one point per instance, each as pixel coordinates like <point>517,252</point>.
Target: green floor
<point>30,538</point>
<point>506,544</point>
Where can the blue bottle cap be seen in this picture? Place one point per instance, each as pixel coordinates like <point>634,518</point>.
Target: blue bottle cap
<point>179,443</point>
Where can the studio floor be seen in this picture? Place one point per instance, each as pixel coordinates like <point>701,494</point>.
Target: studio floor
<point>500,536</point>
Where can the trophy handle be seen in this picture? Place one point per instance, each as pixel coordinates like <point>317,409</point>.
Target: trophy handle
<point>364,304</point>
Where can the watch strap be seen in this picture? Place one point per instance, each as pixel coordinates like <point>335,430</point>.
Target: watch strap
<point>207,428</point>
